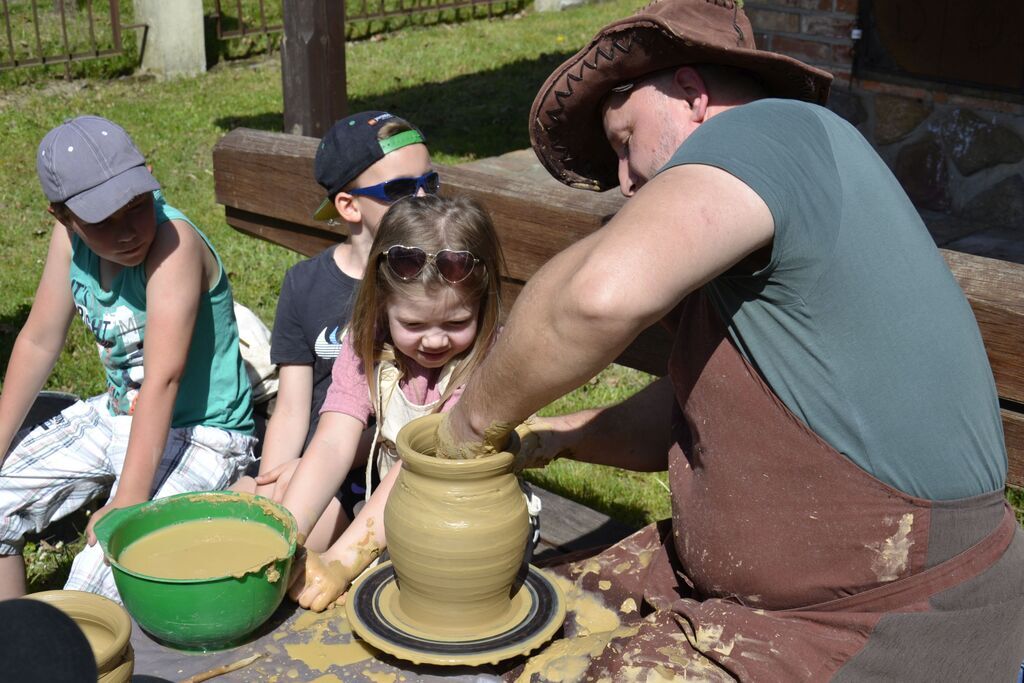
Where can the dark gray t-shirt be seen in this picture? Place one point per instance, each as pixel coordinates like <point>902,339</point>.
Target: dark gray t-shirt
<point>313,311</point>
<point>856,322</point>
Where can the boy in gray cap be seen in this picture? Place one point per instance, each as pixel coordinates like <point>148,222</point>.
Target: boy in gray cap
<point>365,162</point>
<point>152,290</point>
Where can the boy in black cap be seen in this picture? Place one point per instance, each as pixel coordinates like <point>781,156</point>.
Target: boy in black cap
<point>154,293</point>
<point>365,162</point>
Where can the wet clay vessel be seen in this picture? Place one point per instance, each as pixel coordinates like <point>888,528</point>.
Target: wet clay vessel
<point>456,590</point>
<point>457,534</point>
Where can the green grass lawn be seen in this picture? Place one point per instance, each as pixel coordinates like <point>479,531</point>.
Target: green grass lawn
<point>35,30</point>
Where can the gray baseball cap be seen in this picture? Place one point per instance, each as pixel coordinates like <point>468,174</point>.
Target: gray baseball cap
<point>91,165</point>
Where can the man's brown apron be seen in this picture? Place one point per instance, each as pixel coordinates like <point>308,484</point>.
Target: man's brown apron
<point>784,561</point>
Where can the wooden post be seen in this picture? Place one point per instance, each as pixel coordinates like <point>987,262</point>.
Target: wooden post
<point>313,66</point>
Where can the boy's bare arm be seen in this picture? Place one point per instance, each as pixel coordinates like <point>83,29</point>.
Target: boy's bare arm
<point>286,431</point>
<point>323,468</point>
<point>40,340</point>
<point>177,279</point>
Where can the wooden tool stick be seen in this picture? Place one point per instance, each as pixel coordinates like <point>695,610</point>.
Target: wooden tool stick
<point>219,670</point>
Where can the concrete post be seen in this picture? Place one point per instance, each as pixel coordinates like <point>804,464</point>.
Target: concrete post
<point>556,5</point>
<point>174,43</point>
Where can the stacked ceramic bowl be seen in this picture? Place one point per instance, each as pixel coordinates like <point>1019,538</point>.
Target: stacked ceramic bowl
<point>107,627</point>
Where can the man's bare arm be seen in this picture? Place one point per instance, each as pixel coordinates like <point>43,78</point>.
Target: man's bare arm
<point>578,312</point>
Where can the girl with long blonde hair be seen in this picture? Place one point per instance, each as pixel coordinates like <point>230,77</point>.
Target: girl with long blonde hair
<point>425,316</point>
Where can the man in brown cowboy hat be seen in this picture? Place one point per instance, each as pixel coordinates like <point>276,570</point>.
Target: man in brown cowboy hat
<point>829,420</point>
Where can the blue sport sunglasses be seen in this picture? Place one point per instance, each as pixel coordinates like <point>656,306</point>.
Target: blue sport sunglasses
<point>395,189</point>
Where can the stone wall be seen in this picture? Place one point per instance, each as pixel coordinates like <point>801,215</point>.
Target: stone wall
<point>955,154</point>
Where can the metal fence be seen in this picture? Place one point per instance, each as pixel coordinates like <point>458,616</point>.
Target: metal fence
<point>48,32</point>
<point>60,31</point>
<point>239,19</point>
<point>367,10</point>
<point>235,25</point>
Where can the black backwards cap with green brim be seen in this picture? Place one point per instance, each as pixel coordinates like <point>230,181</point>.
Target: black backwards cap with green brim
<point>350,147</point>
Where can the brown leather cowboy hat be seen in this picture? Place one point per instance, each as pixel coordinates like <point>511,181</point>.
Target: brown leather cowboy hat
<point>565,121</point>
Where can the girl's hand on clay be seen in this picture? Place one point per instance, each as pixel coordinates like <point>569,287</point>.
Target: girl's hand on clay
<point>317,584</point>
<point>278,478</point>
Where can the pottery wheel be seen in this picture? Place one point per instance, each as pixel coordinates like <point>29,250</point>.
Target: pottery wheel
<point>374,613</point>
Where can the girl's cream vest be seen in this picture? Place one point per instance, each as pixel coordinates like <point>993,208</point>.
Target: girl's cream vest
<point>394,411</point>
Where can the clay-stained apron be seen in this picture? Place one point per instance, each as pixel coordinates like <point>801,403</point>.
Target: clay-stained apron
<point>784,561</point>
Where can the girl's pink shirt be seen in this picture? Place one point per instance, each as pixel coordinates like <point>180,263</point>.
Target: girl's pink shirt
<point>349,392</point>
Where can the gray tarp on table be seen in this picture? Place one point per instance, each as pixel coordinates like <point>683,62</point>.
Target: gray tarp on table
<point>155,662</point>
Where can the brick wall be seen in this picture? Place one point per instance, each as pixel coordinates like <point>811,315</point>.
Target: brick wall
<point>960,157</point>
<point>814,31</point>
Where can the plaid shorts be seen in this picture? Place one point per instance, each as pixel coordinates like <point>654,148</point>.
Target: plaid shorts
<point>77,456</point>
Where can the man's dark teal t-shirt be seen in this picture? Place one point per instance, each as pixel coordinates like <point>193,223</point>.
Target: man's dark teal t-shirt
<point>856,322</point>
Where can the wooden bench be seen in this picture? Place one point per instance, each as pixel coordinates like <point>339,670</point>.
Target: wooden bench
<point>536,217</point>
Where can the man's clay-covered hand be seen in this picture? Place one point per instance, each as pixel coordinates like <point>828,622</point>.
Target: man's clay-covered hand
<point>452,447</point>
<point>539,444</point>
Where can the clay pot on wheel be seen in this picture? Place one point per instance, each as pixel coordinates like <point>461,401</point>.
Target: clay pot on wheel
<point>457,533</point>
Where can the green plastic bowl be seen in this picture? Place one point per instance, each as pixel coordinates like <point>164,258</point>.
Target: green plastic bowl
<point>198,614</point>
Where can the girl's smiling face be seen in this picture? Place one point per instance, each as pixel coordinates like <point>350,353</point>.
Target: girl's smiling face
<point>434,325</point>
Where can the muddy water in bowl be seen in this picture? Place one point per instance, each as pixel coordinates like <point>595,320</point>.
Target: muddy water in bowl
<point>231,596</point>
<point>204,549</point>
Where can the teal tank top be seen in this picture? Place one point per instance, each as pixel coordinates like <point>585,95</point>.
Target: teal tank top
<point>855,323</point>
<point>215,389</point>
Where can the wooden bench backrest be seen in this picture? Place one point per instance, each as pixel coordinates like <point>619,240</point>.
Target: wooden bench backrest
<point>265,182</point>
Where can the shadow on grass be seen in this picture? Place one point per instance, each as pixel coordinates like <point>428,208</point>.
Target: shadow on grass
<point>269,121</point>
<point>238,47</point>
<point>477,115</point>
<point>10,325</point>
<point>49,554</point>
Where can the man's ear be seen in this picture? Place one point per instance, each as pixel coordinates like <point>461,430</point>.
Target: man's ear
<point>346,206</point>
<point>690,86</point>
